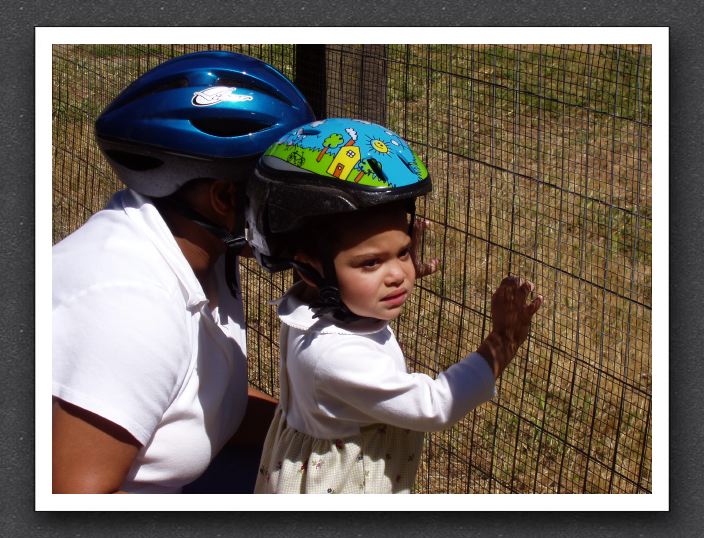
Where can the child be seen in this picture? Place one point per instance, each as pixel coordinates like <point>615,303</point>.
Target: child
<point>351,418</point>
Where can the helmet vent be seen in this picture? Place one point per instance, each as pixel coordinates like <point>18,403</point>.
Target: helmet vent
<point>134,161</point>
<point>161,86</point>
<point>228,127</point>
<point>250,83</point>
<point>376,167</point>
<point>178,82</point>
<point>404,160</point>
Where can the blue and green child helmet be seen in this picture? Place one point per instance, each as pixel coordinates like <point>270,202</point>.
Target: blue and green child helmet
<point>323,168</point>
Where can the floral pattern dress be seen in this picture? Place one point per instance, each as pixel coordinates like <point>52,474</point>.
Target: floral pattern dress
<point>381,459</point>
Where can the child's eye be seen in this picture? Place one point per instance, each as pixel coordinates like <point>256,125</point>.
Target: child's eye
<point>368,264</point>
<point>405,253</point>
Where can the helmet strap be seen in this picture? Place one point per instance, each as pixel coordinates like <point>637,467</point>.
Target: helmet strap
<point>412,213</point>
<point>234,242</point>
<point>329,299</point>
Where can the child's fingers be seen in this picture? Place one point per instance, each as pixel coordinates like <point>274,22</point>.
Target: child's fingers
<point>510,281</point>
<point>533,307</point>
<point>421,224</point>
<point>527,287</point>
<point>427,268</point>
<point>509,285</point>
<point>516,289</point>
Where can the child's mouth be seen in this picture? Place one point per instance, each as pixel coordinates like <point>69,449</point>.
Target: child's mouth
<point>395,299</point>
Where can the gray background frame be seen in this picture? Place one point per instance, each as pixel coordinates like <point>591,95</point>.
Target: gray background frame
<point>17,229</point>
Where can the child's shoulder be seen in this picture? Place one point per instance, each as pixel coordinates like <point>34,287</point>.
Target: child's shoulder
<point>295,312</point>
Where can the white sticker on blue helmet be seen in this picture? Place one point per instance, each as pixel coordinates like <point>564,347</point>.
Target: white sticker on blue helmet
<point>218,94</point>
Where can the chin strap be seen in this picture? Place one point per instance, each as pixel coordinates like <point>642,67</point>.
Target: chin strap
<point>234,242</point>
<point>329,300</point>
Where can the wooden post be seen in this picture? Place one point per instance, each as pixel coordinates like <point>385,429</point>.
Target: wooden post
<point>311,77</point>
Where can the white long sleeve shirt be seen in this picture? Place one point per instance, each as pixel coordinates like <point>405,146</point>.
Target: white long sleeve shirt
<point>344,377</point>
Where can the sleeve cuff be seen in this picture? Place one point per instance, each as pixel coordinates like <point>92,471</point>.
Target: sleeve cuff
<point>481,367</point>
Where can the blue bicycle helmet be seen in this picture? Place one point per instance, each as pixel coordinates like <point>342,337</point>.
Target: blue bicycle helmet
<point>205,114</point>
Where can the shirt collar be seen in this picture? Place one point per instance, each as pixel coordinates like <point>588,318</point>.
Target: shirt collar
<point>296,314</point>
<point>141,210</point>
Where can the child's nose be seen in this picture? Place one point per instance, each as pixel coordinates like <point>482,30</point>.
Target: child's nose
<point>397,272</point>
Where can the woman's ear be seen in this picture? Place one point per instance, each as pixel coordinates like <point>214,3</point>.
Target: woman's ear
<point>224,203</point>
<point>222,196</point>
<point>311,262</point>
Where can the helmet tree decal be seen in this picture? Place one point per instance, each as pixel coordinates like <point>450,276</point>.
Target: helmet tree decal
<point>331,141</point>
<point>350,150</point>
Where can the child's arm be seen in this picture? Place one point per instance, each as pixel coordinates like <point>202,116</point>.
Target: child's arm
<point>357,382</point>
<point>511,318</point>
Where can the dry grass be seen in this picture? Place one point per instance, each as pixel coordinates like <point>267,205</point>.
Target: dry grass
<point>560,195</point>
<point>540,158</point>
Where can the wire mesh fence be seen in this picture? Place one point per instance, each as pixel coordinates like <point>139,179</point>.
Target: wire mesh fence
<point>540,157</point>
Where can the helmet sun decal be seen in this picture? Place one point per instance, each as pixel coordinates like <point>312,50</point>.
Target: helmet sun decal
<point>379,146</point>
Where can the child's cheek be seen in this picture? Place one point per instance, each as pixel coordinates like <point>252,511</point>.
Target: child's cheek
<point>359,289</point>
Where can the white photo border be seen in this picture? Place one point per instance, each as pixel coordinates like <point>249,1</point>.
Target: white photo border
<point>658,37</point>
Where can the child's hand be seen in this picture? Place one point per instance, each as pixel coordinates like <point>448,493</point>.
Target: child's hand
<point>511,318</point>
<point>422,268</point>
<point>510,315</point>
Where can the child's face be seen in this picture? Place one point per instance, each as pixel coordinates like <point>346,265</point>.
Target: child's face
<point>374,268</point>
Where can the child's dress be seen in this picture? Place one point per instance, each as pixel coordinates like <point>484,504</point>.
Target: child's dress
<point>350,417</point>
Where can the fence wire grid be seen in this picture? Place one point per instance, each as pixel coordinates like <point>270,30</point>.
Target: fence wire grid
<point>540,157</point>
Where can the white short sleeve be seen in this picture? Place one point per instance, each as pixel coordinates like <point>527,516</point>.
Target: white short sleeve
<point>121,350</point>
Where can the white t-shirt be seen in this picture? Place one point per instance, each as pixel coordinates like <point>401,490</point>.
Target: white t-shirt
<point>344,377</point>
<point>135,342</point>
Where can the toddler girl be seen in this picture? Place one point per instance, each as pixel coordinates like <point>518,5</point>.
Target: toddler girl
<point>335,199</point>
